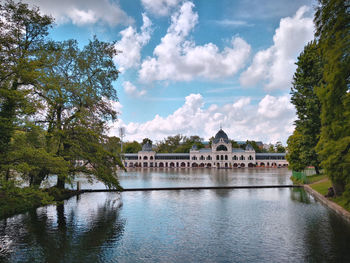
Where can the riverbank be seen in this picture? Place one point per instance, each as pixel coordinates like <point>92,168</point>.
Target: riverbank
<point>318,187</point>
<point>15,200</point>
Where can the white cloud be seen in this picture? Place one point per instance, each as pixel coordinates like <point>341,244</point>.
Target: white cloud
<point>159,7</point>
<point>83,12</point>
<point>179,59</point>
<point>270,120</point>
<point>130,89</point>
<point>131,44</point>
<point>274,67</point>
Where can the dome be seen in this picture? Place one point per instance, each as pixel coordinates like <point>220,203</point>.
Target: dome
<point>147,147</point>
<point>249,147</point>
<point>221,135</point>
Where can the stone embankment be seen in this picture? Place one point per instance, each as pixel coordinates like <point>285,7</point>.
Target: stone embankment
<point>335,207</point>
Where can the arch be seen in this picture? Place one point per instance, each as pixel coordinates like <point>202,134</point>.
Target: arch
<point>145,164</point>
<point>250,165</point>
<point>131,164</point>
<point>221,147</point>
<point>268,164</point>
<point>241,158</point>
<point>217,157</point>
<point>171,165</point>
<point>194,165</point>
<point>201,158</point>
<point>208,165</point>
<point>194,158</point>
<point>262,164</point>
<point>183,164</point>
<point>218,165</point>
<point>226,165</point>
<point>242,165</point>
<point>151,158</point>
<point>161,164</point>
<point>222,157</point>
<point>201,165</point>
<point>145,157</point>
<point>226,158</point>
<point>234,157</point>
<point>208,157</point>
<point>235,165</point>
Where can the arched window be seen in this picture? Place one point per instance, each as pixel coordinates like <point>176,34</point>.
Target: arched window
<point>145,157</point>
<point>234,158</point>
<point>242,157</point>
<point>221,148</point>
<point>202,157</point>
<point>217,157</point>
<point>151,158</point>
<point>226,157</point>
<point>221,157</point>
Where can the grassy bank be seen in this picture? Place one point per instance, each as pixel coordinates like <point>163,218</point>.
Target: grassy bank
<point>14,200</point>
<point>322,186</point>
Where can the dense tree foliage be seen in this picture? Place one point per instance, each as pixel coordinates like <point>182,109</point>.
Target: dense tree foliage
<point>55,102</point>
<point>307,78</point>
<point>332,21</point>
<point>179,144</point>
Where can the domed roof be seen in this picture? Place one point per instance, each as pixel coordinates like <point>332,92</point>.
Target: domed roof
<point>221,135</point>
<point>249,147</point>
<point>147,147</point>
<point>194,147</point>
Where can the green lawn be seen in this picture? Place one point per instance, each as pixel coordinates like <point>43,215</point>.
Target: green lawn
<point>314,178</point>
<point>322,187</point>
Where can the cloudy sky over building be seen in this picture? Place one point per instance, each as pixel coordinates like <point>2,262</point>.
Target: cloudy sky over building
<point>190,66</point>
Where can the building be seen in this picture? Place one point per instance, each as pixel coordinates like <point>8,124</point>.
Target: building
<point>220,155</point>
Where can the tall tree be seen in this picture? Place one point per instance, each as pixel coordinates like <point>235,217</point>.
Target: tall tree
<point>307,78</point>
<point>76,85</point>
<point>332,21</point>
<point>23,33</point>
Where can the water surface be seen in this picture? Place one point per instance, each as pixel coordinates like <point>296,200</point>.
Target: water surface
<point>242,225</point>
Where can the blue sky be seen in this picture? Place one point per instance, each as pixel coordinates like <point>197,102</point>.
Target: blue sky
<point>190,66</point>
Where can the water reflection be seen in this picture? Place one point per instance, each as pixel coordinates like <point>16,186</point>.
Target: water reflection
<point>62,233</point>
<point>241,225</point>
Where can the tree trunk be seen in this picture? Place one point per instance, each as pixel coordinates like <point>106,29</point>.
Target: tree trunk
<point>317,169</point>
<point>60,182</point>
<point>338,188</point>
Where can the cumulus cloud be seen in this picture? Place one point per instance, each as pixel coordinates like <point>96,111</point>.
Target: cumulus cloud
<point>177,58</point>
<point>131,90</point>
<point>159,7</point>
<point>131,44</point>
<point>83,12</point>
<point>270,120</point>
<point>275,66</point>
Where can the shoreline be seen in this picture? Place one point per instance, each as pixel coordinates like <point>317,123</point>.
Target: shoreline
<point>328,203</point>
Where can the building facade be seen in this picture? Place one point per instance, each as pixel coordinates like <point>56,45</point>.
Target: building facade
<point>220,155</point>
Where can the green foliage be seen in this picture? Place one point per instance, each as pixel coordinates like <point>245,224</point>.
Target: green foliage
<point>72,86</point>
<point>234,144</point>
<point>146,140</point>
<point>332,21</point>
<point>15,200</point>
<point>307,78</point>
<point>22,34</point>
<point>179,144</point>
<point>132,147</point>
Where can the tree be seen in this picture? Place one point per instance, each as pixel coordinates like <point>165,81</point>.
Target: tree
<point>76,85</point>
<point>294,156</point>
<point>332,21</point>
<point>23,33</point>
<point>307,78</point>
<point>146,140</point>
<point>132,147</point>
<point>29,156</point>
<point>234,144</point>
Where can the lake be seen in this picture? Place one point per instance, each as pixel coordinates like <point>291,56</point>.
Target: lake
<point>241,225</point>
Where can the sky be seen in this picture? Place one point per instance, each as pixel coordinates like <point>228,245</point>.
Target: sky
<point>190,67</point>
